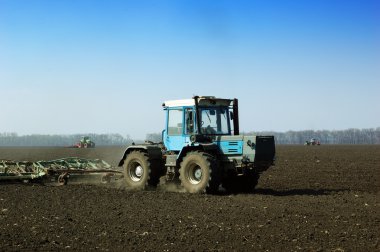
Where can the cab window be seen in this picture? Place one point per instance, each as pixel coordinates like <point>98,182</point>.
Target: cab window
<point>175,122</point>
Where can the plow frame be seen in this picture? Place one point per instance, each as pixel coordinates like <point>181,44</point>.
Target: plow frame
<point>57,170</point>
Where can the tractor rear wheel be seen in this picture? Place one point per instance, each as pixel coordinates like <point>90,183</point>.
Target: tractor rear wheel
<point>199,173</point>
<point>139,171</point>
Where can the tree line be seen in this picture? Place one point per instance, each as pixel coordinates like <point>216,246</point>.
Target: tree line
<point>13,139</point>
<point>348,136</point>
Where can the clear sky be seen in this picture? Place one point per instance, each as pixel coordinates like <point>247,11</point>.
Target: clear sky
<point>95,66</point>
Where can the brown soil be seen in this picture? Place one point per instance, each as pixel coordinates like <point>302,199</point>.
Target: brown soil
<point>317,198</point>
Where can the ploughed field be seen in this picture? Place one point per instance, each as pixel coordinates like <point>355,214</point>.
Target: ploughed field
<point>316,198</point>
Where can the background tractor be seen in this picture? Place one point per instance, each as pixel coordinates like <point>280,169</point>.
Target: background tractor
<point>85,142</point>
<point>201,146</point>
<point>313,141</point>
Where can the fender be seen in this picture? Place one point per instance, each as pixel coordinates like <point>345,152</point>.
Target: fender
<point>210,148</point>
<point>153,151</point>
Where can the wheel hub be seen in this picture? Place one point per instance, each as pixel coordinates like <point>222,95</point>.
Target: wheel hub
<point>195,175</point>
<point>136,173</point>
<point>198,174</point>
<point>139,171</point>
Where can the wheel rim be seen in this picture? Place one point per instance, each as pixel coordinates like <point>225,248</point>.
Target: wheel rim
<point>194,174</point>
<point>136,171</point>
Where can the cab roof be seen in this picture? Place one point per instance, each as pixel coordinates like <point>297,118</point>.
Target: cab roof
<point>202,101</point>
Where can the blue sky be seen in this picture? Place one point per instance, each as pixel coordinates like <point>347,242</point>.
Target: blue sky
<point>94,66</point>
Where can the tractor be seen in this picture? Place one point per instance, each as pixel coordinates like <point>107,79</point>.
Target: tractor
<point>312,141</point>
<point>201,148</point>
<point>85,142</point>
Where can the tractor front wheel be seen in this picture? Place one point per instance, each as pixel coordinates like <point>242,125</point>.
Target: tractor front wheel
<point>199,173</point>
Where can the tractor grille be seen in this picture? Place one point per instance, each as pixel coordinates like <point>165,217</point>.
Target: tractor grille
<point>231,147</point>
<point>233,151</point>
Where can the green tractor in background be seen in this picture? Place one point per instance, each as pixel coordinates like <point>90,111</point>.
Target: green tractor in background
<point>85,142</point>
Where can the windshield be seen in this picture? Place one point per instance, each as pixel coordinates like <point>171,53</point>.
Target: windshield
<point>214,121</point>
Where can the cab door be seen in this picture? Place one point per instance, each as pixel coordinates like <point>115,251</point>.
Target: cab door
<point>174,136</point>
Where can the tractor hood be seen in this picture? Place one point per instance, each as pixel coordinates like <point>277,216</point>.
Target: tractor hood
<point>251,148</point>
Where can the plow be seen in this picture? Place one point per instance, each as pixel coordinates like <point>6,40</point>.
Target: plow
<point>58,170</point>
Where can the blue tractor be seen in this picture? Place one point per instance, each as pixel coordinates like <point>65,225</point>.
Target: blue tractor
<point>202,148</point>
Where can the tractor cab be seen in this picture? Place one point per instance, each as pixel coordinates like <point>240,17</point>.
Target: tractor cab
<point>200,119</point>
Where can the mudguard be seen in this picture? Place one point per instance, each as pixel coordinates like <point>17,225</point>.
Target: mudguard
<point>153,151</point>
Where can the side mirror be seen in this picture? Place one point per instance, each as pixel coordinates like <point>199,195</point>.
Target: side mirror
<point>231,115</point>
